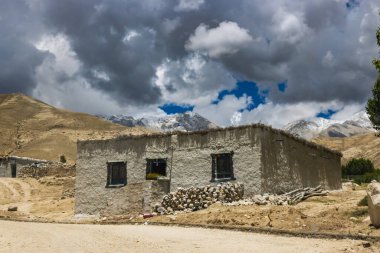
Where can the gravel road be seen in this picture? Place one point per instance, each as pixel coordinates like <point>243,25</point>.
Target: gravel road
<point>48,237</point>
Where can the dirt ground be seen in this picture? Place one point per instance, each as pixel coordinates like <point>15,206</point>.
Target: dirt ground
<point>46,199</point>
<point>48,237</point>
<point>50,199</point>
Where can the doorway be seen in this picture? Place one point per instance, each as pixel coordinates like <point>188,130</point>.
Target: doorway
<point>13,170</point>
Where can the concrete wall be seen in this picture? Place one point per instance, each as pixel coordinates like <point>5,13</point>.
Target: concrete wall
<point>264,160</point>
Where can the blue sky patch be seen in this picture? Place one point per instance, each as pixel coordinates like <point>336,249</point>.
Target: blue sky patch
<point>245,88</point>
<point>326,114</point>
<point>172,108</point>
<point>282,86</point>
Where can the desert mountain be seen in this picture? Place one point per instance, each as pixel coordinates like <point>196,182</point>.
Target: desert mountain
<point>366,146</point>
<point>35,129</point>
<point>188,121</point>
<point>357,124</point>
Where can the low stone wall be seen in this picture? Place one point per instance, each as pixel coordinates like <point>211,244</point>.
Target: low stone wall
<point>48,169</point>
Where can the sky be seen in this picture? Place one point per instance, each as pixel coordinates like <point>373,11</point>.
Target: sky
<point>233,62</point>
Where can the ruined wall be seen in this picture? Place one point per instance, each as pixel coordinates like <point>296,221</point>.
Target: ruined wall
<point>288,164</point>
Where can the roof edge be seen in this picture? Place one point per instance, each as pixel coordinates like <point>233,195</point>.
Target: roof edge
<point>220,129</point>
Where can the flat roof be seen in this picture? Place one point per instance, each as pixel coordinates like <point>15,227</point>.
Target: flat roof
<point>219,129</point>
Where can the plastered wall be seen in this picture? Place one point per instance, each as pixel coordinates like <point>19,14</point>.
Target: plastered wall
<point>264,160</point>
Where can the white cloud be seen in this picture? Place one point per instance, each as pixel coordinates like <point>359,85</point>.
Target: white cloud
<point>192,79</point>
<point>289,26</point>
<point>65,59</point>
<point>227,38</point>
<point>347,111</point>
<point>222,113</point>
<point>188,5</point>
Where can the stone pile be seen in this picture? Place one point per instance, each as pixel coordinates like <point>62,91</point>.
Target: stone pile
<point>197,198</point>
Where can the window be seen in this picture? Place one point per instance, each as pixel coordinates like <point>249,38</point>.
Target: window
<point>155,168</point>
<point>222,167</point>
<point>116,174</point>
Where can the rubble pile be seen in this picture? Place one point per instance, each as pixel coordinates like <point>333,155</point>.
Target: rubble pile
<point>197,198</point>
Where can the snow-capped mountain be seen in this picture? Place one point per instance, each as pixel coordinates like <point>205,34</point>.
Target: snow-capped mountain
<point>177,122</point>
<point>359,123</point>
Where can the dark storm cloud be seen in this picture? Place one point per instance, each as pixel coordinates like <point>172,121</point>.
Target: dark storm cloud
<point>18,57</point>
<point>322,48</point>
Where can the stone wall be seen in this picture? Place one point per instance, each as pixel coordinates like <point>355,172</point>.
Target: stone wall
<point>264,160</point>
<point>47,169</point>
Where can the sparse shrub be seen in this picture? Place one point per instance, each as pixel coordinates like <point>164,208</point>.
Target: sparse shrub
<point>356,167</point>
<point>62,159</point>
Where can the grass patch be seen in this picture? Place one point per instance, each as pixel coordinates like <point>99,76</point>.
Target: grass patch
<point>359,212</point>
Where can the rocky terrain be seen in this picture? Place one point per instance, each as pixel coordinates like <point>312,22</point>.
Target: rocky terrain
<point>177,122</point>
<point>35,129</point>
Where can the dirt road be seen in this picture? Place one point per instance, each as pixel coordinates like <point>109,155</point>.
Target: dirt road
<point>47,237</point>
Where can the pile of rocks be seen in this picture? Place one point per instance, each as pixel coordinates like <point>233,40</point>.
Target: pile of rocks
<point>197,198</point>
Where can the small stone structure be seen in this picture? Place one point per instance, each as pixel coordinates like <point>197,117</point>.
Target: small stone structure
<point>131,173</point>
<point>10,165</point>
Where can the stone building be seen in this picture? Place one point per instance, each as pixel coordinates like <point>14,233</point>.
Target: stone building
<point>129,174</point>
<point>10,165</point>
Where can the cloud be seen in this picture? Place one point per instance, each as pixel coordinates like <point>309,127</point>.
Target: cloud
<point>134,55</point>
<point>189,5</point>
<point>227,38</point>
<point>18,57</point>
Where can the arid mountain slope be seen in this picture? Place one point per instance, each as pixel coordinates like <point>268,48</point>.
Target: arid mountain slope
<point>32,128</point>
<point>366,146</point>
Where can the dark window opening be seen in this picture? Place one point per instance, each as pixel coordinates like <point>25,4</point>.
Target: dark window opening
<point>222,167</point>
<point>13,170</point>
<point>155,168</point>
<point>116,174</point>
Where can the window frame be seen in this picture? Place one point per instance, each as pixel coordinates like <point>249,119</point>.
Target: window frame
<point>149,160</point>
<point>214,169</point>
<point>109,174</point>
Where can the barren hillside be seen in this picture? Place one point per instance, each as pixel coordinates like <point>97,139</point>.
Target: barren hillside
<point>32,128</point>
<point>367,146</point>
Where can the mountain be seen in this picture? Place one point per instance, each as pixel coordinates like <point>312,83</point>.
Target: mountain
<point>359,146</point>
<point>188,121</point>
<point>35,129</point>
<point>356,125</point>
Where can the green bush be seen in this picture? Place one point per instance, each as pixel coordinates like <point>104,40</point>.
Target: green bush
<point>359,166</point>
<point>368,177</point>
